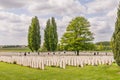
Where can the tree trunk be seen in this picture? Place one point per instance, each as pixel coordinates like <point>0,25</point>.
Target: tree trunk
<point>77,52</point>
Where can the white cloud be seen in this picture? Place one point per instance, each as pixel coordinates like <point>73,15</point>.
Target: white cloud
<point>12,4</point>
<point>103,19</point>
<point>14,25</point>
<point>62,24</point>
<point>103,26</point>
<point>100,6</point>
<point>55,7</point>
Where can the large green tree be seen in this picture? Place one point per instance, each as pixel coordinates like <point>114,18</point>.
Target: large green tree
<point>54,35</point>
<point>116,39</point>
<point>34,38</point>
<point>78,36</point>
<point>47,35</point>
<point>50,35</point>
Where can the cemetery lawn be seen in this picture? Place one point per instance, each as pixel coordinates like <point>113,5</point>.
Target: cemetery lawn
<point>102,72</point>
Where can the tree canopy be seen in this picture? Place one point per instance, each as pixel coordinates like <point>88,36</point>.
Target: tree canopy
<point>50,35</point>
<point>78,36</point>
<point>34,38</point>
<point>116,39</point>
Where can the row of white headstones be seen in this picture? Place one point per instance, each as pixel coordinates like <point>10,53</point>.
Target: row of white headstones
<point>58,61</point>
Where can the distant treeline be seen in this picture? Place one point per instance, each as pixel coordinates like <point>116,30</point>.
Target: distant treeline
<point>103,45</point>
<point>13,46</point>
<point>100,46</point>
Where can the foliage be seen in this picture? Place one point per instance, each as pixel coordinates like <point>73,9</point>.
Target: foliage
<point>54,35</point>
<point>50,35</point>
<point>100,47</point>
<point>34,38</point>
<point>43,48</point>
<point>116,39</point>
<point>77,36</point>
<point>59,47</point>
<point>104,43</point>
<point>103,46</point>
<point>47,35</point>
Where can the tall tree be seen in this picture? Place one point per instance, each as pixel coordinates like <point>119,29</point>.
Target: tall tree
<point>29,38</point>
<point>34,38</point>
<point>54,35</point>
<point>116,39</point>
<point>77,36</point>
<point>50,35</point>
<point>47,35</point>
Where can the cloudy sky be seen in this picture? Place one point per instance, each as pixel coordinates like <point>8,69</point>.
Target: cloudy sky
<point>15,17</point>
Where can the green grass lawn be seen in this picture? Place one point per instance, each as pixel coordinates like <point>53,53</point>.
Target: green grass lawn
<point>102,72</point>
